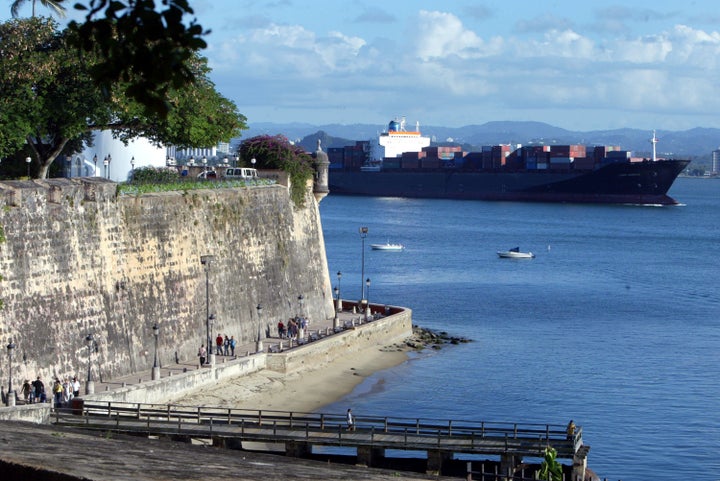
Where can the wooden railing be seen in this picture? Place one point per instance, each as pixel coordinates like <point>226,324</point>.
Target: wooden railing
<point>323,428</point>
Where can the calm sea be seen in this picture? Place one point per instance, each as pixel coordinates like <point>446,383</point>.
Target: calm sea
<point>615,324</point>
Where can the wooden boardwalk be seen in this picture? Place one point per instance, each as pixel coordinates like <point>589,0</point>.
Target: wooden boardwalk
<point>441,439</point>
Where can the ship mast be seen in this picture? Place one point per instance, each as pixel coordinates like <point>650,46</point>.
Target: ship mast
<point>654,141</point>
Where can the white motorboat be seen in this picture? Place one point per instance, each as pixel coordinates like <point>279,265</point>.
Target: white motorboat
<point>515,253</point>
<point>387,247</point>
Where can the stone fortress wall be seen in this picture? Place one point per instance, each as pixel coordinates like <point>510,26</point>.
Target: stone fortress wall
<point>78,258</point>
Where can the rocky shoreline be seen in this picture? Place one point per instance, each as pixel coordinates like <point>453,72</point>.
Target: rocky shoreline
<point>424,338</point>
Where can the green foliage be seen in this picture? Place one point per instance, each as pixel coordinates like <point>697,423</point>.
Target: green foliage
<point>143,53</point>
<point>276,152</point>
<point>149,175</point>
<point>184,185</point>
<point>48,98</point>
<point>550,469</point>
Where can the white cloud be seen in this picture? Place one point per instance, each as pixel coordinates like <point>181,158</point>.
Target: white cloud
<point>442,34</point>
<point>452,68</point>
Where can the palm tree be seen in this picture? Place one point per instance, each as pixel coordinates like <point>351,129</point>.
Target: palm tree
<point>55,6</point>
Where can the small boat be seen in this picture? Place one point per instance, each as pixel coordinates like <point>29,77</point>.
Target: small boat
<point>387,247</point>
<point>515,253</point>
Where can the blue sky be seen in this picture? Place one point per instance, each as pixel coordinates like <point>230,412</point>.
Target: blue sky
<point>580,65</point>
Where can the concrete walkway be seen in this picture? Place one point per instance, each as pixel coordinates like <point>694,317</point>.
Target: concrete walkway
<point>345,318</point>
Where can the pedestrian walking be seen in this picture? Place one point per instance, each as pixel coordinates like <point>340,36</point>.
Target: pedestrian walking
<point>202,354</point>
<point>350,420</point>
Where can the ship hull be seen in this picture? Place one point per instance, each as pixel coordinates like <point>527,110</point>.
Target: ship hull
<point>618,183</point>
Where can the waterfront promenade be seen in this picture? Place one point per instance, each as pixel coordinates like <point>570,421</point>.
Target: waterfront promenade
<point>318,329</point>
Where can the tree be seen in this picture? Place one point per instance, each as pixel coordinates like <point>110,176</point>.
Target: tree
<point>143,53</point>
<point>276,152</point>
<point>48,99</point>
<point>55,6</point>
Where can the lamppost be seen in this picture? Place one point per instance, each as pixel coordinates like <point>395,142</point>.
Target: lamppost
<point>156,368</point>
<point>236,158</point>
<point>207,260</point>
<point>363,234</point>
<point>132,165</point>
<point>78,164</point>
<point>89,384</point>
<point>339,304</point>
<point>28,160</point>
<point>10,393</point>
<point>259,343</point>
<point>106,163</point>
<point>252,161</point>
<point>95,161</point>
<point>211,350</point>
<point>336,320</point>
<point>301,330</point>
<point>367,310</point>
<point>204,162</point>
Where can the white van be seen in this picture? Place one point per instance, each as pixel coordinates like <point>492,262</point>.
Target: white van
<point>242,173</point>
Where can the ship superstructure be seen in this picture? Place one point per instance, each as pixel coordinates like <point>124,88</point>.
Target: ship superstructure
<point>397,141</point>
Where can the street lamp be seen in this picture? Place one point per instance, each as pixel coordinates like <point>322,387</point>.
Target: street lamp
<point>27,161</point>
<point>339,305</point>
<point>252,161</point>
<point>301,326</point>
<point>78,164</point>
<point>89,384</point>
<point>367,310</point>
<point>336,320</point>
<point>156,368</point>
<point>207,260</point>
<point>10,393</point>
<point>132,165</point>
<point>259,343</point>
<point>236,158</point>
<point>363,234</point>
<point>95,161</point>
<point>106,163</point>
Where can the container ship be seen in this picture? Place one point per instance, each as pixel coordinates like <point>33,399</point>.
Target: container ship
<point>403,164</point>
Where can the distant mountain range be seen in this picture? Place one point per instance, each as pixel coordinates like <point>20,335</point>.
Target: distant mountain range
<point>697,143</point>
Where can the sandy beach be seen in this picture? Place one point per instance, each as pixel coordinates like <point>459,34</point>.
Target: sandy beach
<point>304,391</point>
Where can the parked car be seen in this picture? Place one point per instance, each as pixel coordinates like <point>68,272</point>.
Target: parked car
<point>243,173</point>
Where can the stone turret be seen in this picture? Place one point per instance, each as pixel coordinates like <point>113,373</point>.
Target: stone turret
<point>321,181</point>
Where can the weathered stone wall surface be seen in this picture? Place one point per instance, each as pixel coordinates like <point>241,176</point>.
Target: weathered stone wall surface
<point>79,259</point>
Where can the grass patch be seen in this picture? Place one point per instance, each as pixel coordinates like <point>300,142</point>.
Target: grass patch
<point>139,188</point>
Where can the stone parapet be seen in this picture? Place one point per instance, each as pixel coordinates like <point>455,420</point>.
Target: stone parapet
<point>80,259</point>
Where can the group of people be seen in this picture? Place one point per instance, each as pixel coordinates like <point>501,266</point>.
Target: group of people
<point>225,346</point>
<point>293,327</point>
<point>62,391</point>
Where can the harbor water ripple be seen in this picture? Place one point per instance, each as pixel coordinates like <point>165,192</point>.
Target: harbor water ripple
<point>615,324</point>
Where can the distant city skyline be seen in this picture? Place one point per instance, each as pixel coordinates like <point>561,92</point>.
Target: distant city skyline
<point>576,65</point>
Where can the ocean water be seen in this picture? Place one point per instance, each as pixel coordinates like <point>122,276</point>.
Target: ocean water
<point>615,324</point>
